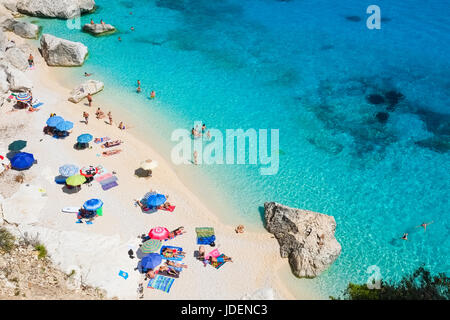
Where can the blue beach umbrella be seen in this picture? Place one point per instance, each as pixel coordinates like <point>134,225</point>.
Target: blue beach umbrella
<point>22,161</point>
<point>53,121</point>
<point>154,200</point>
<point>68,170</point>
<point>85,138</point>
<point>93,204</point>
<point>64,125</point>
<point>151,261</point>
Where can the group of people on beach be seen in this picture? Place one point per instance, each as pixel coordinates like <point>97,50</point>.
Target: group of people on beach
<point>99,114</point>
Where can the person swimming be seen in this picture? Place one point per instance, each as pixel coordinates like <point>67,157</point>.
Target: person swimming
<point>132,28</point>
<point>120,39</point>
<point>92,21</point>
<point>152,94</point>
<point>405,236</point>
<point>424,225</point>
<point>138,90</point>
<point>87,74</point>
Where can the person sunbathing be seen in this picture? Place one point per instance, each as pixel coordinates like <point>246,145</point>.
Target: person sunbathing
<point>111,143</point>
<point>99,114</point>
<point>201,255</point>
<point>165,206</point>
<point>121,126</point>
<point>175,264</point>
<point>173,253</point>
<point>111,152</point>
<point>220,259</point>
<point>168,270</point>
<point>178,231</point>
<point>140,204</point>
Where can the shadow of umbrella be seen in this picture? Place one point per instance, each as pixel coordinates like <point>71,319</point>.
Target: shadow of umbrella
<point>141,173</point>
<point>17,145</point>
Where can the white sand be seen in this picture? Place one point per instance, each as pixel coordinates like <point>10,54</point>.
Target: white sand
<point>97,252</point>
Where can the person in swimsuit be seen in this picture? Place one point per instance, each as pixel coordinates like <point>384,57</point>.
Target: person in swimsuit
<point>110,118</point>
<point>89,99</point>
<point>405,236</point>
<point>119,38</point>
<point>92,21</point>
<point>86,117</point>
<point>87,74</point>
<point>99,113</point>
<point>150,274</point>
<point>152,94</point>
<point>31,60</point>
<point>424,225</point>
<point>239,229</point>
<point>121,126</point>
<point>132,28</point>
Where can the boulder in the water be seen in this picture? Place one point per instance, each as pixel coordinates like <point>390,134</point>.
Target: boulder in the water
<point>375,98</point>
<point>393,97</point>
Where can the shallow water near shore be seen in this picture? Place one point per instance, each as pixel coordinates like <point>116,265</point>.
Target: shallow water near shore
<point>316,73</point>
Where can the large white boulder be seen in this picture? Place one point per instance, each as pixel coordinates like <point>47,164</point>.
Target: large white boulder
<point>21,28</point>
<point>17,58</point>
<point>80,92</point>
<point>11,5</point>
<point>4,85</point>
<point>61,52</point>
<point>98,28</point>
<point>63,9</point>
<point>306,238</point>
<point>18,81</point>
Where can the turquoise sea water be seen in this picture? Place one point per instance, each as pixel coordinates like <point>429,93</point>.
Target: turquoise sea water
<point>307,68</point>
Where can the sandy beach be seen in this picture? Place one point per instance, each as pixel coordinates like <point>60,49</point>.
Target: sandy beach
<point>98,252</point>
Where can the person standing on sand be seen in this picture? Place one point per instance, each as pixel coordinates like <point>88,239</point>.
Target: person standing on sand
<point>110,117</point>
<point>31,60</point>
<point>89,99</point>
<point>195,157</point>
<point>86,117</point>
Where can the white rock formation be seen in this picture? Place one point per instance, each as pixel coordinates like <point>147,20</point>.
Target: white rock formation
<point>63,9</point>
<point>61,52</point>
<point>21,28</point>
<point>98,28</point>
<point>18,81</point>
<point>17,58</point>
<point>4,84</point>
<point>306,238</point>
<point>80,92</point>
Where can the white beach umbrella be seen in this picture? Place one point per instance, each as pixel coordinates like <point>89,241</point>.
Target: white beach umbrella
<point>149,164</point>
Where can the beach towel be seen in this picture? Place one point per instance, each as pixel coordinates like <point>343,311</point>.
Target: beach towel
<point>218,264</point>
<point>205,235</point>
<point>108,180</point>
<point>215,253</point>
<point>169,257</point>
<point>170,209</point>
<point>161,282</point>
<point>110,185</point>
<point>100,140</point>
<point>167,274</point>
<point>37,105</point>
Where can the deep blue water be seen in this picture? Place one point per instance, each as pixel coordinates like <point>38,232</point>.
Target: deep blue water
<point>308,68</point>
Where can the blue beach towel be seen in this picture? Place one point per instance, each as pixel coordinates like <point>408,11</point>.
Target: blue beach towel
<point>110,185</point>
<point>170,247</point>
<point>206,240</point>
<point>37,105</point>
<point>162,283</point>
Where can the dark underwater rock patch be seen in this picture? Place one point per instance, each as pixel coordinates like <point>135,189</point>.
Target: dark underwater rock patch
<point>437,144</point>
<point>382,116</point>
<point>127,4</point>
<point>353,18</point>
<point>375,99</point>
<point>436,122</point>
<point>327,47</point>
<point>393,97</point>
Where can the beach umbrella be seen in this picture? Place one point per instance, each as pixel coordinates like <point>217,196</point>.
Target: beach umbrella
<point>151,245</point>
<point>64,125</point>
<point>53,121</point>
<point>154,200</point>
<point>22,160</point>
<point>68,170</point>
<point>151,261</point>
<point>93,204</point>
<point>89,171</point>
<point>23,97</point>
<point>149,164</point>
<point>158,233</point>
<point>75,180</point>
<point>85,138</point>
<point>17,145</point>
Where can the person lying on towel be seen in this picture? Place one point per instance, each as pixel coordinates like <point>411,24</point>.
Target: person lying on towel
<point>175,264</point>
<point>219,259</point>
<point>169,270</point>
<point>173,253</point>
<point>178,231</point>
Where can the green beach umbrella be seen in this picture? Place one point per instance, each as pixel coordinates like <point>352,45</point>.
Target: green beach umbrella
<point>17,145</point>
<point>75,180</point>
<point>151,245</point>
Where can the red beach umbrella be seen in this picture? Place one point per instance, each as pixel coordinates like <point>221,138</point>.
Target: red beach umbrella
<point>159,233</point>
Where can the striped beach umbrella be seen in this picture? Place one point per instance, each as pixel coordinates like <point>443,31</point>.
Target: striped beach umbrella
<point>23,97</point>
<point>85,138</point>
<point>64,125</point>
<point>75,180</point>
<point>68,170</point>
<point>159,233</point>
<point>53,121</point>
<point>93,204</point>
<point>151,245</point>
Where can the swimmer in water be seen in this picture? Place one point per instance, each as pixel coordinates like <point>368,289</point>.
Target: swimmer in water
<point>120,39</point>
<point>405,236</point>
<point>132,28</point>
<point>87,74</point>
<point>138,89</point>
<point>424,225</point>
<point>152,94</point>
<point>92,21</point>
